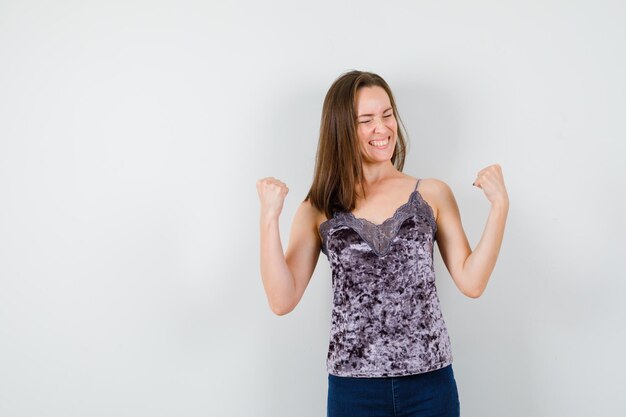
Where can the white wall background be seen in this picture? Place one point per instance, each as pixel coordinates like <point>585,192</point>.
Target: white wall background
<point>131,137</point>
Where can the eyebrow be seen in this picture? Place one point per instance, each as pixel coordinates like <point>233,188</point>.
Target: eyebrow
<point>387,109</point>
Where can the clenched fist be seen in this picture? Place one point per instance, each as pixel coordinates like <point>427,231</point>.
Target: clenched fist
<point>491,181</point>
<point>272,193</point>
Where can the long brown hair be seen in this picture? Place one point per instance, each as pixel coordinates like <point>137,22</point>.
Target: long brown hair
<point>338,163</point>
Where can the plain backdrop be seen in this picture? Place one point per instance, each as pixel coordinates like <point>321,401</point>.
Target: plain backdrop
<point>132,134</point>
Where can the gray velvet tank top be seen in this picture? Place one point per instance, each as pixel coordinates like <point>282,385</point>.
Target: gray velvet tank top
<point>386,320</point>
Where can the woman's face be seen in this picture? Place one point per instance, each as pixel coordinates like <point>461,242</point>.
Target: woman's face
<point>376,124</point>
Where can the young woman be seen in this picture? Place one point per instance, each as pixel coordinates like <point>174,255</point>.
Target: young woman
<point>389,352</point>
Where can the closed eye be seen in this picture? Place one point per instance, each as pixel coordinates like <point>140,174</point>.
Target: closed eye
<point>367,121</point>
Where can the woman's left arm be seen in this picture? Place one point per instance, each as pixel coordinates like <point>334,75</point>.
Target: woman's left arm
<point>469,269</point>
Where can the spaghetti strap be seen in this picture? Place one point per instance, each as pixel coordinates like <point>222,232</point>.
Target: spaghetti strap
<point>416,184</point>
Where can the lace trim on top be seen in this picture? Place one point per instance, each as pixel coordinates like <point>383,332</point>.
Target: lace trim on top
<point>380,236</point>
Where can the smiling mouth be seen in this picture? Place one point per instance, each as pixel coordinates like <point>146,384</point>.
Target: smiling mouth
<point>379,143</point>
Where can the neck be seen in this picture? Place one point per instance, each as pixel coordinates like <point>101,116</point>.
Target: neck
<point>377,172</point>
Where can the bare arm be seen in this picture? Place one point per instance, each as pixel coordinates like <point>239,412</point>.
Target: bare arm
<point>479,265</point>
<point>469,269</point>
<point>286,276</point>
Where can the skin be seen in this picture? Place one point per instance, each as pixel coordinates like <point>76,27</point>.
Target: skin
<point>286,276</point>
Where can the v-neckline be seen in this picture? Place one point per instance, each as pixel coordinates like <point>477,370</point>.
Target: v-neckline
<point>364,220</point>
<point>379,236</point>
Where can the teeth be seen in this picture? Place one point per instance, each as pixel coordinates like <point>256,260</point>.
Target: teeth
<point>379,142</point>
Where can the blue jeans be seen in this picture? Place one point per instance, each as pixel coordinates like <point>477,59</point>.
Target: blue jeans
<point>429,394</point>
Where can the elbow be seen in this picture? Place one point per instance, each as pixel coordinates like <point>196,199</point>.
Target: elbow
<point>281,309</point>
<point>473,292</point>
<point>471,286</point>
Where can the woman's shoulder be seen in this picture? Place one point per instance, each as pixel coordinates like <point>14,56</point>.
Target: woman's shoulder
<point>433,184</point>
<point>311,215</point>
<point>428,184</point>
<point>435,192</point>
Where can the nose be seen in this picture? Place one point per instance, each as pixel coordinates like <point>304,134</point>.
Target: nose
<point>379,124</point>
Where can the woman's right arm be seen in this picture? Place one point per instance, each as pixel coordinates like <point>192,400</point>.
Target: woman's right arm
<point>286,275</point>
